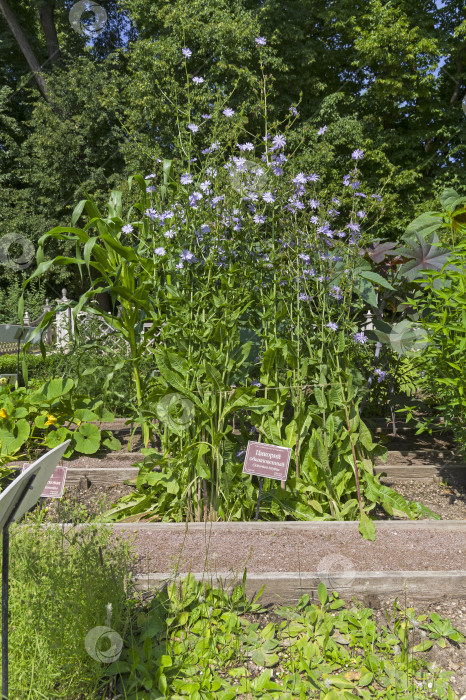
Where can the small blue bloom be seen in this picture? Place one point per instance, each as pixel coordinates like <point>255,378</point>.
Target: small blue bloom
<point>278,142</point>
<point>380,375</point>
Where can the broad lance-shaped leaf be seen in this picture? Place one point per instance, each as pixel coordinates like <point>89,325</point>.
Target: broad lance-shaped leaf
<point>424,254</point>
<point>366,291</point>
<point>367,527</point>
<point>377,279</point>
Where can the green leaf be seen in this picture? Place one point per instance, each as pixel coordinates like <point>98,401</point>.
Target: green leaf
<point>377,279</point>
<point>367,528</point>
<point>261,681</point>
<point>165,661</point>
<point>258,657</point>
<point>53,389</point>
<point>111,442</point>
<point>366,679</point>
<point>365,436</point>
<point>271,660</point>
<point>450,199</point>
<point>424,646</point>
<point>87,438</point>
<point>426,223</point>
<point>57,437</point>
<point>84,414</point>
<point>366,291</point>
<point>77,212</point>
<point>322,593</point>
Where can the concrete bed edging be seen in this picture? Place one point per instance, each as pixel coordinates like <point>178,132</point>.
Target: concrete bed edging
<point>454,525</point>
<point>287,587</point>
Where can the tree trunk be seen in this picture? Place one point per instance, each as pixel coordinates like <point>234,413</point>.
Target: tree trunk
<point>26,49</point>
<point>459,76</point>
<point>47,20</point>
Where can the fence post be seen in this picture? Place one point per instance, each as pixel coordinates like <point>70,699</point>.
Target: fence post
<point>64,323</point>
<point>369,326</point>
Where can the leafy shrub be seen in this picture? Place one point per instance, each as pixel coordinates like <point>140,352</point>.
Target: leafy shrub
<point>61,582</point>
<point>441,368</point>
<point>31,419</point>
<point>249,284</point>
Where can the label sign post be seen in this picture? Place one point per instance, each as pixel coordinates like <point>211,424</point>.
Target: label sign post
<point>19,497</point>
<point>55,486</point>
<point>266,462</point>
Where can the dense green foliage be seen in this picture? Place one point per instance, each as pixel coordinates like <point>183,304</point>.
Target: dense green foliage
<point>267,334</point>
<point>366,69</point>
<point>31,419</point>
<point>442,372</point>
<point>61,583</point>
<point>194,640</point>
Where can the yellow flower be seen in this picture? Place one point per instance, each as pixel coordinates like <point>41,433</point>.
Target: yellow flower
<point>3,413</point>
<point>50,420</point>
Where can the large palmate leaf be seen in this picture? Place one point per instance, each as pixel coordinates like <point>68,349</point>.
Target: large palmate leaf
<point>450,199</point>
<point>426,223</point>
<point>379,250</point>
<point>405,337</point>
<point>424,254</point>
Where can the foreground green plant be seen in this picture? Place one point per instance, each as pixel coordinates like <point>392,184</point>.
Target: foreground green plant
<point>201,642</point>
<point>441,369</point>
<point>31,419</point>
<point>248,281</point>
<point>61,582</point>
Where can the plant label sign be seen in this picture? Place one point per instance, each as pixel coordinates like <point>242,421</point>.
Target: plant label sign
<point>268,461</point>
<point>55,486</point>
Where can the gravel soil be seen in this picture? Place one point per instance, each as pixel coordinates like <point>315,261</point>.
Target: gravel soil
<point>84,502</point>
<point>446,499</point>
<point>276,548</point>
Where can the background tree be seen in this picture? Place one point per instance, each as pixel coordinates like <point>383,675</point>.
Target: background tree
<point>388,78</point>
